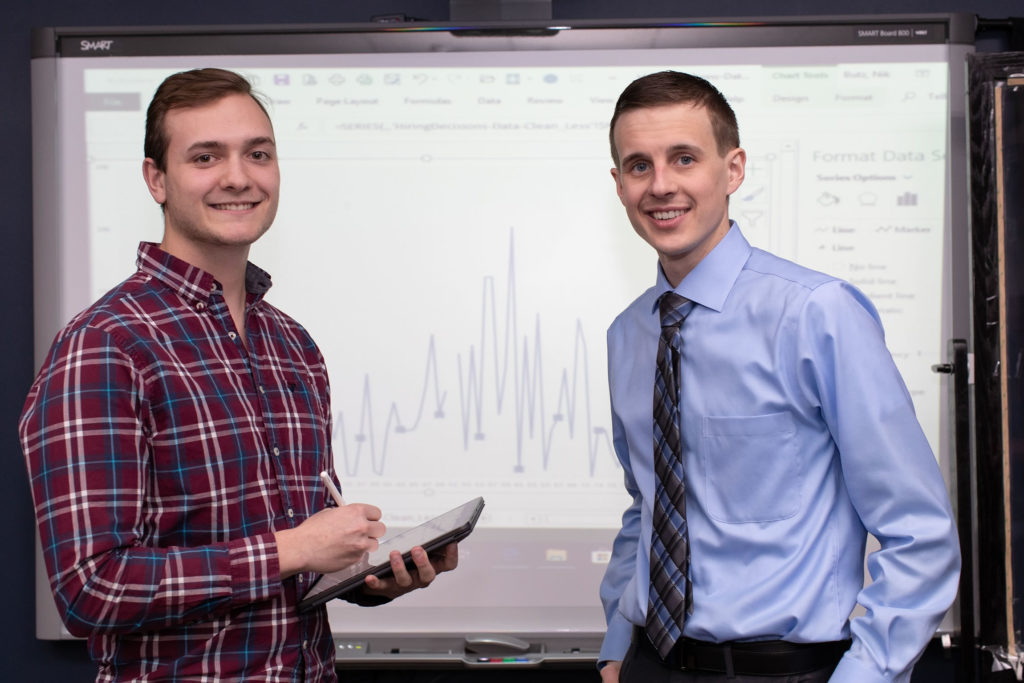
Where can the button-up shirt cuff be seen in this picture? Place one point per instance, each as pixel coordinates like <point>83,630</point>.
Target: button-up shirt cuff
<point>616,640</point>
<point>255,571</point>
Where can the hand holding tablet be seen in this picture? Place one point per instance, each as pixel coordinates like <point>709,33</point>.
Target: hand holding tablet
<point>432,535</point>
<point>420,572</point>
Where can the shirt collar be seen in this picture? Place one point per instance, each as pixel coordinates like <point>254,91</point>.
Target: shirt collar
<point>711,280</point>
<point>190,282</point>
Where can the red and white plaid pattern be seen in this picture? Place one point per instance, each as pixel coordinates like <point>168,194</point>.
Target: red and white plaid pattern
<point>162,456</point>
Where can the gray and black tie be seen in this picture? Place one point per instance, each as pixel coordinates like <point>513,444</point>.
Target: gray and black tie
<point>671,595</point>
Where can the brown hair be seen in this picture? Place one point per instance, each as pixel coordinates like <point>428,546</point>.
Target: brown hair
<point>189,89</point>
<point>674,87</point>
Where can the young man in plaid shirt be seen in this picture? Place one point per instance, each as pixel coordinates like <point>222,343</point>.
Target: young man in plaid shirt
<point>177,428</point>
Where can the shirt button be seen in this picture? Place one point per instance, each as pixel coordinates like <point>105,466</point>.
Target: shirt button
<point>305,645</point>
<point>277,451</point>
<point>300,579</point>
<point>291,513</point>
<point>200,306</point>
<point>232,335</point>
<point>262,390</point>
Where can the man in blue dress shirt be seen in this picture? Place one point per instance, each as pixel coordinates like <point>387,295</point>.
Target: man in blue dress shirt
<point>798,436</point>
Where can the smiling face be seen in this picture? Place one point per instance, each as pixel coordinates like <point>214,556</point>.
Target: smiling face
<point>674,182</point>
<point>221,181</point>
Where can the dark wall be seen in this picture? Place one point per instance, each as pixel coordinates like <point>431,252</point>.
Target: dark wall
<point>22,657</point>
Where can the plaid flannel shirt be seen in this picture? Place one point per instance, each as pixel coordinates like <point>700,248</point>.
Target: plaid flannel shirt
<point>162,455</point>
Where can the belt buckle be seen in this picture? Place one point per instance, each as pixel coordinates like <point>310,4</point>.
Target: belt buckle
<point>684,656</point>
<point>689,656</point>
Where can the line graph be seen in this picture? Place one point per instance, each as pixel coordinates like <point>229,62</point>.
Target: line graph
<point>393,422</point>
<point>501,377</point>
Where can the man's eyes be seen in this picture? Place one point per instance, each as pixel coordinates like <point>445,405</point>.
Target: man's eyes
<point>645,166</point>
<point>207,158</point>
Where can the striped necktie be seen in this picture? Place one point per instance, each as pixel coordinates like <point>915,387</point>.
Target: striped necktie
<point>670,597</point>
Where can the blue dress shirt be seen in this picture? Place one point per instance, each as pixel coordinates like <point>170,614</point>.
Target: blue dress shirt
<point>799,437</point>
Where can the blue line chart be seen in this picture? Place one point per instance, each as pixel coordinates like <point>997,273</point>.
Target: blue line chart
<point>500,378</point>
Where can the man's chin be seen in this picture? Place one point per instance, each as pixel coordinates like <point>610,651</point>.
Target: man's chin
<point>222,239</point>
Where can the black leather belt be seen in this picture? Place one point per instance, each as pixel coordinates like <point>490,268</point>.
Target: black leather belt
<point>761,658</point>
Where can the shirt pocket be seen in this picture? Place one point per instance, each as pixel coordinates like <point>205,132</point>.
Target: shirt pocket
<point>752,468</point>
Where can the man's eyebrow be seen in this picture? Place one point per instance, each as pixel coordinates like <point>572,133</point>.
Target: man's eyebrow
<point>215,145</point>
<point>205,144</point>
<point>684,147</point>
<point>635,156</point>
<point>674,150</point>
<point>262,140</point>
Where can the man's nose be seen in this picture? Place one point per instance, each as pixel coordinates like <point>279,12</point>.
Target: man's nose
<point>663,182</point>
<point>235,175</point>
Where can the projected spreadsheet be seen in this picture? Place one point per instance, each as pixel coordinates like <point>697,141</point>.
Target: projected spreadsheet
<point>452,239</point>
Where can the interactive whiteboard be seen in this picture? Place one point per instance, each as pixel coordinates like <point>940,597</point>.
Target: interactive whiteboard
<point>450,235</point>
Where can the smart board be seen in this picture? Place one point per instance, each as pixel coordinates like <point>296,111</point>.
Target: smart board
<point>462,174</point>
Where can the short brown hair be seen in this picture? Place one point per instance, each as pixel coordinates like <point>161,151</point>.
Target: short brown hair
<point>674,87</point>
<point>189,89</point>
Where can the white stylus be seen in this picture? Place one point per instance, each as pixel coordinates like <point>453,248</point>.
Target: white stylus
<point>332,489</point>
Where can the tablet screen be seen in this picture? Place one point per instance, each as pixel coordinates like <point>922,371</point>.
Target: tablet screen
<point>449,527</point>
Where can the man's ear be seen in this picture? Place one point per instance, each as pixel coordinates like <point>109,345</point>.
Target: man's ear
<point>736,163</point>
<point>618,182</point>
<point>154,178</point>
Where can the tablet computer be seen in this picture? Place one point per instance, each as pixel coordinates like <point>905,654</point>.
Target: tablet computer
<point>432,535</point>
